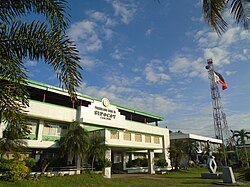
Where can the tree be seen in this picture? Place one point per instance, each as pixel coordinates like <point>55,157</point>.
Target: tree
<point>97,148</point>
<point>12,141</point>
<point>241,137</point>
<point>75,143</point>
<point>213,13</point>
<point>35,40</point>
<point>176,152</point>
<point>193,149</point>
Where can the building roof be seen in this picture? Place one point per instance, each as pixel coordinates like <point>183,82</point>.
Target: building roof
<point>81,96</point>
<point>180,135</point>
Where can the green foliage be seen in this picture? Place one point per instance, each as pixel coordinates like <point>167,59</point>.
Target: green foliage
<point>30,162</point>
<point>75,142</point>
<point>213,13</point>
<point>37,40</point>
<point>188,178</point>
<point>106,163</point>
<point>177,150</point>
<point>138,162</point>
<point>247,174</point>
<point>13,170</point>
<point>161,162</point>
<point>12,138</point>
<point>96,150</point>
<point>244,174</point>
<point>241,136</point>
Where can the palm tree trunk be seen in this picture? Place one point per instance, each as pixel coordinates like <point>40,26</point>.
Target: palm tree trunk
<point>92,165</point>
<point>78,164</point>
<point>246,156</point>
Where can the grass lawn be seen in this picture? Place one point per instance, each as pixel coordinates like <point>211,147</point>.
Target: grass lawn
<point>189,177</point>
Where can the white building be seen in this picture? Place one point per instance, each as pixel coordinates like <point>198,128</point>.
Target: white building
<point>202,143</point>
<point>126,130</point>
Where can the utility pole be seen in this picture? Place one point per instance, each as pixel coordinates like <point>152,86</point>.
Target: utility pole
<point>220,121</point>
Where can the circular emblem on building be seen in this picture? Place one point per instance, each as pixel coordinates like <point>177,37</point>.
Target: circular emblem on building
<point>105,102</point>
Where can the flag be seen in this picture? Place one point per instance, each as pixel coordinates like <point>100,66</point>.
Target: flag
<point>220,80</point>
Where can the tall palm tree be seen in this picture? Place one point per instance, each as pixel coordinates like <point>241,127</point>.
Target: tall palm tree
<point>213,13</point>
<point>75,143</point>
<point>176,152</point>
<point>35,40</point>
<point>241,137</point>
<point>97,148</point>
<point>193,149</point>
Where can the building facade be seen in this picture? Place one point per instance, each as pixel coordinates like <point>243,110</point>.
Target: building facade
<point>126,130</point>
<point>201,144</point>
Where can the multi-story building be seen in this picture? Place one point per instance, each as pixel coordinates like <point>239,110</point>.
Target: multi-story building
<point>126,130</point>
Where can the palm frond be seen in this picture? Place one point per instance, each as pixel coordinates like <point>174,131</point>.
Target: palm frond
<point>212,13</point>
<point>53,10</point>
<point>36,41</point>
<point>241,12</point>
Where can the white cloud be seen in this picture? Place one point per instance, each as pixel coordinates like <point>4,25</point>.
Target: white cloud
<point>219,55</point>
<point>116,55</point>
<point>148,32</point>
<point>125,10</point>
<point>108,33</point>
<point>152,103</point>
<point>120,80</point>
<point>230,36</point>
<point>238,121</point>
<point>96,15</point>
<point>188,67</point>
<point>228,73</point>
<point>155,72</point>
<point>85,34</point>
<point>89,62</point>
<point>121,55</point>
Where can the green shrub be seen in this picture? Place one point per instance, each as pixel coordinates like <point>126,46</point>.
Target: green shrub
<point>30,162</point>
<point>247,174</point>
<point>161,162</point>
<point>141,162</point>
<point>13,170</point>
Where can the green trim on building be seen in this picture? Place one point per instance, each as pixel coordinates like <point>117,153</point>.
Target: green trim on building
<point>90,128</point>
<point>50,138</point>
<point>68,108</point>
<point>88,98</point>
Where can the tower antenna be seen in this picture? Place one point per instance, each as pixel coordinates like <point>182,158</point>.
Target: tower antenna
<point>220,121</point>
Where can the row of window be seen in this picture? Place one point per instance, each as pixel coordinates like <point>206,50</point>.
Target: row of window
<point>138,137</point>
<point>49,128</point>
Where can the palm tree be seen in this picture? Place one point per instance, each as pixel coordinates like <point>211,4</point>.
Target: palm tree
<point>176,152</point>
<point>75,143</point>
<point>35,40</point>
<point>241,137</point>
<point>213,13</point>
<point>12,141</point>
<point>193,149</point>
<point>97,148</point>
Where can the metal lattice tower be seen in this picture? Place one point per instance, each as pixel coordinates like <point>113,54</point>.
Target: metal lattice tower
<point>220,121</point>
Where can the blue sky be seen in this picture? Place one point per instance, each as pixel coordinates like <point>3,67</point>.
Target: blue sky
<point>151,56</point>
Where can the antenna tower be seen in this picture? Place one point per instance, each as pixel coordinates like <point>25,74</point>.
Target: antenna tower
<point>220,121</point>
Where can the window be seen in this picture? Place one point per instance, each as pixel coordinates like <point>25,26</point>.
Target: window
<point>147,138</point>
<point>54,129</point>
<point>127,136</point>
<point>32,125</point>
<point>138,138</point>
<point>156,140</point>
<point>114,134</point>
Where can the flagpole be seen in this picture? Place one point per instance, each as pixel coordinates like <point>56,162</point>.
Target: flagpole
<point>218,114</point>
